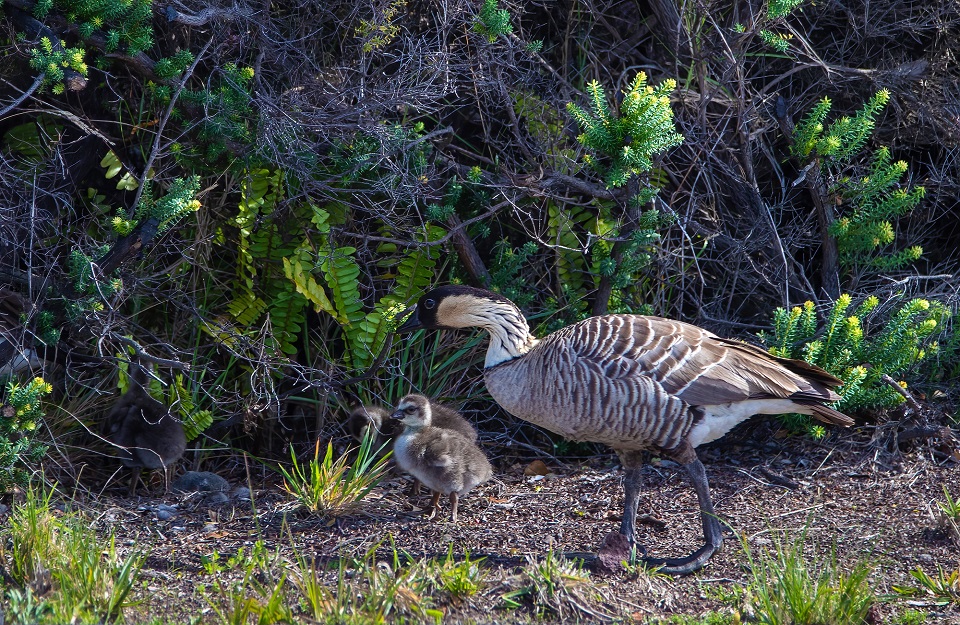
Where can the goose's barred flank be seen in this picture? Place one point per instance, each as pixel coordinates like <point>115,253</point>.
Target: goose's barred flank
<point>632,382</point>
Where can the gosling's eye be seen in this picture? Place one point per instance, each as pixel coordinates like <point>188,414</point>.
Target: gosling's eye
<point>429,304</point>
<point>409,410</point>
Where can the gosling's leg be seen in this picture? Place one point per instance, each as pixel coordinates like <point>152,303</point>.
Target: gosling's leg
<point>454,499</point>
<point>134,478</point>
<point>434,505</point>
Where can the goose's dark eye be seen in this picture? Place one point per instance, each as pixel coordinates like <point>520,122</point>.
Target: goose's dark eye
<point>429,304</point>
<point>409,410</point>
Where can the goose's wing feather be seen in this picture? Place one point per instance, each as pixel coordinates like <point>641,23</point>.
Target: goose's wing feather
<point>688,362</point>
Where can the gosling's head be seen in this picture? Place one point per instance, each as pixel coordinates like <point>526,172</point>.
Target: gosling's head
<point>414,411</point>
<point>364,417</point>
<point>456,306</point>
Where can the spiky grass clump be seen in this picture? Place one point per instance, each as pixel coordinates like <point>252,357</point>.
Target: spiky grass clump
<point>788,589</point>
<point>331,487</point>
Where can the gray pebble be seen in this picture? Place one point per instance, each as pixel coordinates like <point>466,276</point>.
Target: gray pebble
<point>200,481</point>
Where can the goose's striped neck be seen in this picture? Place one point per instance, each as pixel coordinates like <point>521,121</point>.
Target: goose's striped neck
<point>510,335</point>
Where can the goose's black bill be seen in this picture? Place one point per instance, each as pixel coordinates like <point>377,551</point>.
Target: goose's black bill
<point>412,323</point>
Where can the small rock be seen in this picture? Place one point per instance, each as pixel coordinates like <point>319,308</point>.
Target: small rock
<point>241,493</point>
<point>216,498</point>
<point>200,481</point>
<point>537,467</point>
<point>3,508</point>
<point>165,512</point>
<point>613,553</point>
<point>925,558</point>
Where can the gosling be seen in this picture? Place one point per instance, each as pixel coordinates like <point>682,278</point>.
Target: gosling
<point>445,460</point>
<point>147,435</point>
<point>364,417</point>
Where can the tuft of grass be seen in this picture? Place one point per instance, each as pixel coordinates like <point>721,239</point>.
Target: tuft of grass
<point>65,572</point>
<point>557,587</point>
<point>911,617</point>
<point>333,487</point>
<point>942,588</point>
<point>950,514</point>
<point>245,588</point>
<point>367,590</point>
<point>458,580</point>
<point>789,590</point>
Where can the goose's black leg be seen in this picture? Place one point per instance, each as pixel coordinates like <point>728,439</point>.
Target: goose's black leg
<point>713,537</point>
<point>631,491</point>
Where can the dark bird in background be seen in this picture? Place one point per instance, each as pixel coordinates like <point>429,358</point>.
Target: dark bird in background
<point>633,382</point>
<point>145,433</point>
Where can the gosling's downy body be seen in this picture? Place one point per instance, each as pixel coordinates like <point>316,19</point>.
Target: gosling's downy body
<point>447,462</point>
<point>632,382</point>
<point>145,432</point>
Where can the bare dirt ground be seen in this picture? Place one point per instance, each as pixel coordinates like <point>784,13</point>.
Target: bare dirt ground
<point>854,492</point>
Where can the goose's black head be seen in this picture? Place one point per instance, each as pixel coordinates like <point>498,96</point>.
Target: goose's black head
<point>452,306</point>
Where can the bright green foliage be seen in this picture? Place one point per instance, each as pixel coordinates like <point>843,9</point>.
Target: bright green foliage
<point>493,22</point>
<point>52,63</point>
<point>788,590</point>
<point>182,400</point>
<point>844,138</point>
<point>781,8</point>
<point>260,288</point>
<point>840,346</point>
<point>777,41</point>
<point>410,272</point>
<point>505,271</point>
<point>808,133</point>
<point>634,256</point>
<point>92,581</point>
<point>330,487</point>
<point>457,578</point>
<point>871,200</point>
<point>173,66</point>
<point>876,198</point>
<point>126,23</point>
<point>628,141</point>
<point>179,201</point>
<point>584,251</point>
<point>369,590</point>
<point>942,588</point>
<point>381,30</point>
<point>81,276</point>
<point>227,115</point>
<point>556,587</point>
<point>20,413</point>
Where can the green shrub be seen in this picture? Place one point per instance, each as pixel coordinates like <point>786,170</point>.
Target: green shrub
<point>839,344</point>
<point>20,414</point>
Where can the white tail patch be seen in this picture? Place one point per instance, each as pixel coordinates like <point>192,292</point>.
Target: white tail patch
<point>719,419</point>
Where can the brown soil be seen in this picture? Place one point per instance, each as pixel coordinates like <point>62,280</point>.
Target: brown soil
<point>850,492</point>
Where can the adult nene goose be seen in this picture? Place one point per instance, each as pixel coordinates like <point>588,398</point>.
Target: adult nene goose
<point>632,382</point>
